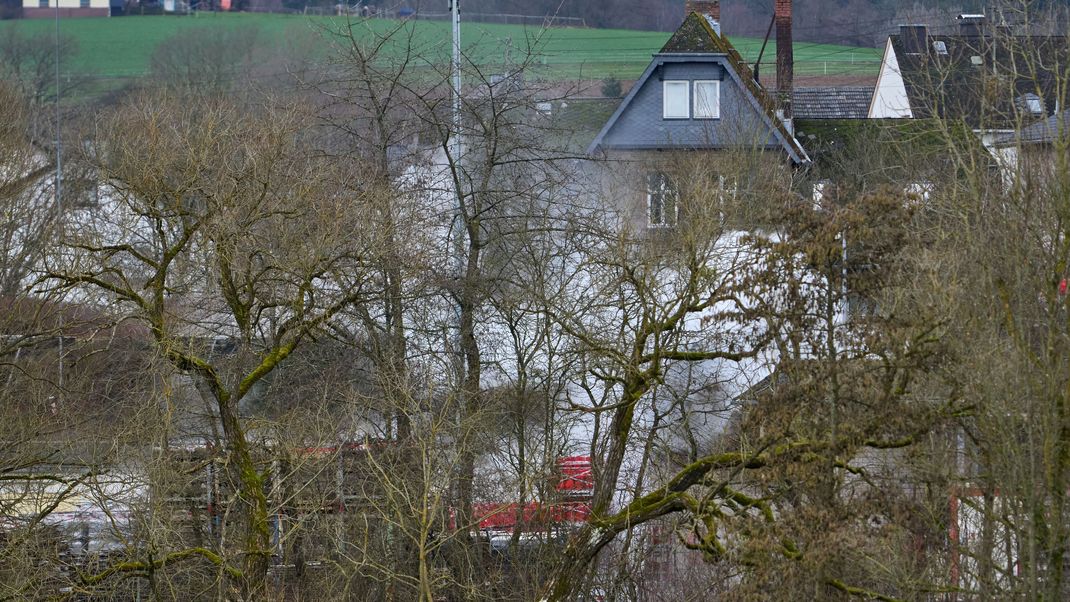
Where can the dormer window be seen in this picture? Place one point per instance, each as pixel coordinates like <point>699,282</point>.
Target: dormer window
<point>677,99</point>
<point>707,99</point>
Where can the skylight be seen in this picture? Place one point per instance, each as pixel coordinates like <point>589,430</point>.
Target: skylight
<point>1030,103</point>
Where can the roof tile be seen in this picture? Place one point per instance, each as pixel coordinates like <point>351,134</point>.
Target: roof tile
<point>849,102</point>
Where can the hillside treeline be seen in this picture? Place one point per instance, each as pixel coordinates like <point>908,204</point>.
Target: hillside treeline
<point>860,22</point>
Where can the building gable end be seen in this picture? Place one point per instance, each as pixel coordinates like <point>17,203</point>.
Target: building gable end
<point>890,99</point>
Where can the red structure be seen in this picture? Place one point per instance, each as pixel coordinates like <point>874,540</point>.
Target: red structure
<point>577,478</point>
<point>574,488</point>
<point>532,517</point>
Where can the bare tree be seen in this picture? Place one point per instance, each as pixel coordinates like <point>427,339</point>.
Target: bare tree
<point>219,224</point>
<point>484,182</point>
<point>26,194</point>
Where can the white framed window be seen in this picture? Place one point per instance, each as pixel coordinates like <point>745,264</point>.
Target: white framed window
<point>676,101</point>
<point>707,99</point>
<point>661,201</point>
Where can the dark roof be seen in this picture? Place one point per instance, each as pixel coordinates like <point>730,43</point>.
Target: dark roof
<point>576,122</point>
<point>850,102</point>
<point>969,77</point>
<point>1043,132</point>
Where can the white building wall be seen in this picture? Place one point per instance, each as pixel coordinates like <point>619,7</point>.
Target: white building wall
<point>890,99</point>
<point>65,4</point>
<point>1006,155</point>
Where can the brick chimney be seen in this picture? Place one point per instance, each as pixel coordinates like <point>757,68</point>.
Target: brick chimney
<point>711,8</point>
<point>785,58</point>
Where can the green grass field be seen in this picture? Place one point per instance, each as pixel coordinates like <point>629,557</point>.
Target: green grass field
<point>120,47</point>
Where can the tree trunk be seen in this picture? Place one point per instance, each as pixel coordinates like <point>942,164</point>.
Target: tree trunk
<point>256,536</point>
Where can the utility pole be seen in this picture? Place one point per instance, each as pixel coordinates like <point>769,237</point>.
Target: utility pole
<point>59,187</point>
<point>455,136</point>
<point>455,148</point>
<point>457,227</point>
<point>455,69</point>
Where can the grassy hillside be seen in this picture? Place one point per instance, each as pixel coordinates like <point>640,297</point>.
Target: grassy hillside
<point>121,47</point>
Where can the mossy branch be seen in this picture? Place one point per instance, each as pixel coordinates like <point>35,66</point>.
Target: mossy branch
<point>143,565</point>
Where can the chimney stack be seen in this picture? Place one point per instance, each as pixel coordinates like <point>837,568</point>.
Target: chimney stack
<point>915,38</point>
<point>972,25</point>
<point>710,8</point>
<point>785,58</point>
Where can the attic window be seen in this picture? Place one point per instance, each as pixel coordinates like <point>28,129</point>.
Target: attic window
<point>707,99</point>
<point>677,100</point>
<point>940,47</point>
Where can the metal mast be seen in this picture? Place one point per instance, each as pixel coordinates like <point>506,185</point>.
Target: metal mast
<point>455,69</point>
<point>59,187</point>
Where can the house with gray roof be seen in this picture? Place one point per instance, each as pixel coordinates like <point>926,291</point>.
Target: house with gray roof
<point>700,98</point>
<point>697,96</point>
<point>985,76</point>
<point>1032,156</point>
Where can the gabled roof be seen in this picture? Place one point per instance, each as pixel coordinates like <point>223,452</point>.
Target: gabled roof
<point>971,78</point>
<point>697,39</point>
<point>848,102</point>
